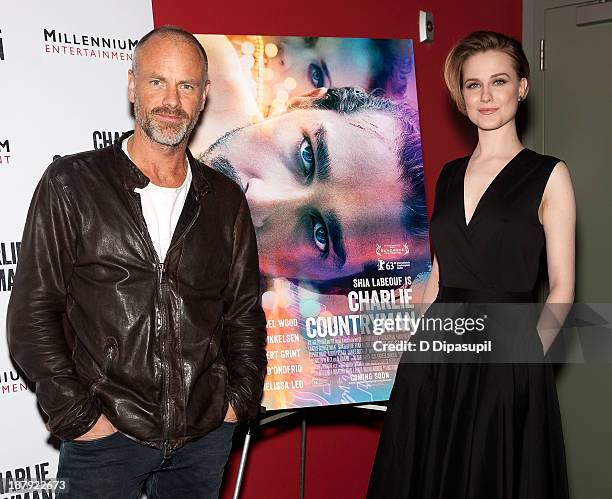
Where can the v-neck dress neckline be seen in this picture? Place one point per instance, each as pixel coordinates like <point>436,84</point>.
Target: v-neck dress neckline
<point>467,225</point>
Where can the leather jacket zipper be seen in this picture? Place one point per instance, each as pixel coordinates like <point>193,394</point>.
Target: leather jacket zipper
<point>163,333</point>
<point>166,449</point>
<point>184,233</point>
<point>161,268</point>
<point>160,322</point>
<point>162,283</point>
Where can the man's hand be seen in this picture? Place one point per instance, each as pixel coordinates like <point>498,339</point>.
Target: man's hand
<point>230,417</point>
<point>102,428</point>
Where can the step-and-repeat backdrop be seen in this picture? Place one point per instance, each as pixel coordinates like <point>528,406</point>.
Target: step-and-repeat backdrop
<point>63,74</point>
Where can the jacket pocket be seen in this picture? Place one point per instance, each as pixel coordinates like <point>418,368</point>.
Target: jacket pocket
<point>111,347</point>
<point>220,368</point>
<point>214,350</point>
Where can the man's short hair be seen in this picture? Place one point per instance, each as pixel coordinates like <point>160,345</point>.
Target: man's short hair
<point>351,100</point>
<point>169,31</point>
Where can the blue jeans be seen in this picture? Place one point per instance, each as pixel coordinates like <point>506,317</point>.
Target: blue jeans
<point>118,467</point>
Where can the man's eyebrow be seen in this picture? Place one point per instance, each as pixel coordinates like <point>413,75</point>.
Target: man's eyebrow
<point>334,228</point>
<point>193,83</point>
<point>326,71</point>
<point>322,160</point>
<point>155,76</point>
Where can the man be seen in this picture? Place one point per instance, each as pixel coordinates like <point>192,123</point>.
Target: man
<point>338,172</point>
<point>319,232</point>
<point>136,306</point>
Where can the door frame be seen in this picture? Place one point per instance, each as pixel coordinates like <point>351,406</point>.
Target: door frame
<point>534,30</point>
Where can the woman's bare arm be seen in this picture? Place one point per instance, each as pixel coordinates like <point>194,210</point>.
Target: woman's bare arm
<point>558,216</point>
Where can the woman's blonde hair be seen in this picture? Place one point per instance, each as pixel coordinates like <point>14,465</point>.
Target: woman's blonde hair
<point>480,41</point>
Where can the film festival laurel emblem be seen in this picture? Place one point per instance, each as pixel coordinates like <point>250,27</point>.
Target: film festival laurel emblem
<point>393,251</point>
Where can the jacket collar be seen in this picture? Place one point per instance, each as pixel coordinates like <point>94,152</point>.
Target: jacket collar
<point>133,178</point>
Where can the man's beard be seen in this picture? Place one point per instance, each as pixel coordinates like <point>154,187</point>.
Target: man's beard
<point>168,135</point>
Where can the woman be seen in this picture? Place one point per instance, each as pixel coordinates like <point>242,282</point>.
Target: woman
<point>484,430</point>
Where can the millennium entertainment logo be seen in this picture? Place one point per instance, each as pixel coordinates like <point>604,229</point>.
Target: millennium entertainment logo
<point>87,45</point>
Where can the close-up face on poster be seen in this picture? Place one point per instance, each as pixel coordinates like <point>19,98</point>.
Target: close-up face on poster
<point>323,136</point>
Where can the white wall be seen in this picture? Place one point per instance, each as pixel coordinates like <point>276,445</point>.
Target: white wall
<point>56,97</point>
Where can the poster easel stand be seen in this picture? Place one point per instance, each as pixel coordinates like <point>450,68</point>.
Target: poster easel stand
<point>255,423</point>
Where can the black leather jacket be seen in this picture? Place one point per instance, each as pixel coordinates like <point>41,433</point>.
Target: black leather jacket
<point>100,325</point>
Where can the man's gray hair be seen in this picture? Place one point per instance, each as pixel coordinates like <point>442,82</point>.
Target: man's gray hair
<point>169,31</point>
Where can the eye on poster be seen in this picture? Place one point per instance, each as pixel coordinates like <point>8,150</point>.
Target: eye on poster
<point>323,136</point>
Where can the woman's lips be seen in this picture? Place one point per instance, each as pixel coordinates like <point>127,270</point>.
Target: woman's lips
<point>487,110</point>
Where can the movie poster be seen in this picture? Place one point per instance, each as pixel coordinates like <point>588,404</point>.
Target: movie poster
<point>323,136</point>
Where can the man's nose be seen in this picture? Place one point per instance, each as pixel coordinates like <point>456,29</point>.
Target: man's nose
<point>171,97</point>
<point>267,200</point>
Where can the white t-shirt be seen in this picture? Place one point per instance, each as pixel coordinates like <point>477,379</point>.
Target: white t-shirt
<point>162,207</point>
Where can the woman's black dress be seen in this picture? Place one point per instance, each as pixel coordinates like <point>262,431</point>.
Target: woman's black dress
<point>479,430</point>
